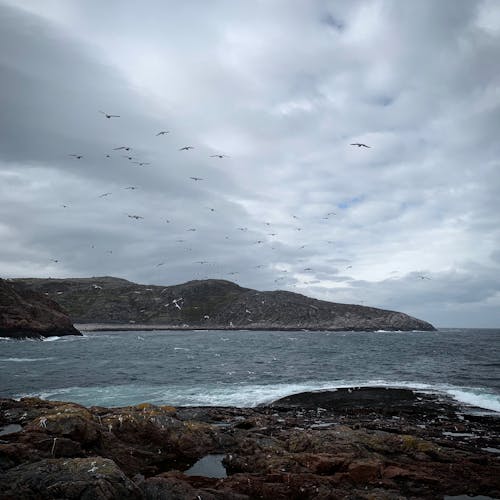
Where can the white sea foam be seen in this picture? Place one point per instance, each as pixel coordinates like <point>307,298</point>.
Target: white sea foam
<point>231,394</point>
<point>24,360</point>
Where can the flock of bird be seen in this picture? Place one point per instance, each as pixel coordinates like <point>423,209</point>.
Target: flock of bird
<point>136,161</point>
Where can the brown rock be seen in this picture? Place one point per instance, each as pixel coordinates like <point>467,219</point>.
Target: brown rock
<point>26,313</point>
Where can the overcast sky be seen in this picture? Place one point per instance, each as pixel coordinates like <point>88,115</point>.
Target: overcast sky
<point>282,87</point>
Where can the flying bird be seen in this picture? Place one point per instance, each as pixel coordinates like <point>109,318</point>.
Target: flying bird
<point>108,156</point>
<point>108,115</point>
<point>160,264</point>
<point>141,163</point>
<point>196,178</point>
<point>360,145</point>
<point>186,148</point>
<point>131,187</point>
<point>104,194</point>
<point>126,148</point>
<point>78,157</point>
<point>128,157</point>
<point>422,277</point>
<point>191,229</point>
<point>54,260</point>
<point>219,156</point>
<point>136,217</point>
<point>163,132</point>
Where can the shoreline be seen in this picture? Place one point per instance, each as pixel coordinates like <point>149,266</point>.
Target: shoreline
<point>361,443</point>
<point>116,327</point>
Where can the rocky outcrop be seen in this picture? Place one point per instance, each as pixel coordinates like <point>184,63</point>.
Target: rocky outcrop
<point>352,443</point>
<point>211,304</point>
<point>27,313</point>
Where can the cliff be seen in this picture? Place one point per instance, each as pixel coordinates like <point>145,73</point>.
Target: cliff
<point>210,304</point>
<point>27,313</point>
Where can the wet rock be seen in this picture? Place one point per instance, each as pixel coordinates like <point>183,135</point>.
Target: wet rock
<point>405,448</point>
<point>79,478</point>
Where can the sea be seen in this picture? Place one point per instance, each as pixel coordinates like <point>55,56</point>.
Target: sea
<point>248,368</point>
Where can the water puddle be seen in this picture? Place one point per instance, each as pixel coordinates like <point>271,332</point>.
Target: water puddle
<point>10,429</point>
<point>460,434</point>
<point>208,466</point>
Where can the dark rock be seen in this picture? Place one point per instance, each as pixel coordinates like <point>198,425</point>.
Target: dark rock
<point>27,313</point>
<point>210,304</point>
<point>92,478</point>
<point>373,397</point>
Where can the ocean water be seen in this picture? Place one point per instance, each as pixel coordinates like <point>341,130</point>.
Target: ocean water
<point>245,368</point>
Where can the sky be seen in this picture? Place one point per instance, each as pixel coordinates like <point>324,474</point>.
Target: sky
<point>281,89</point>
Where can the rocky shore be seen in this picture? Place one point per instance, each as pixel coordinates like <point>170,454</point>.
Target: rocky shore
<point>367,443</point>
<point>27,313</point>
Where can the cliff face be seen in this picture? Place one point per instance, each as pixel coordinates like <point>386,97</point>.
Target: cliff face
<point>27,313</point>
<point>210,304</point>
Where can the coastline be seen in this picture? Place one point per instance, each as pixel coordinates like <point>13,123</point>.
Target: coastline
<point>117,327</point>
<point>361,443</point>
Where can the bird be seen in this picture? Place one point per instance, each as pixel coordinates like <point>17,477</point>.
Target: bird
<point>126,148</point>
<point>108,156</point>
<point>131,187</point>
<point>360,145</point>
<point>128,157</point>
<point>307,269</point>
<point>422,277</point>
<point>191,229</point>
<point>186,148</point>
<point>348,267</point>
<point>219,156</point>
<point>78,157</point>
<point>108,115</point>
<point>160,264</point>
<point>196,178</point>
<point>54,260</point>
<point>141,163</point>
<point>136,217</point>
<point>211,209</point>
<point>104,194</point>
<point>163,132</point>
<point>64,206</point>
<point>243,229</point>
<point>167,221</point>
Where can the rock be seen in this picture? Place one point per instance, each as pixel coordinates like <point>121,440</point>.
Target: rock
<point>92,478</point>
<point>210,304</point>
<point>372,397</point>
<point>350,450</point>
<point>27,313</point>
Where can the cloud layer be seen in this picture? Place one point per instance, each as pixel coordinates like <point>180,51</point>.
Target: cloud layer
<point>282,88</point>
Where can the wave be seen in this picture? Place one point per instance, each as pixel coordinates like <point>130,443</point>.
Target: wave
<point>24,360</point>
<point>249,395</point>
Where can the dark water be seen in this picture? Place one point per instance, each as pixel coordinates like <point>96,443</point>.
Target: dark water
<point>247,368</point>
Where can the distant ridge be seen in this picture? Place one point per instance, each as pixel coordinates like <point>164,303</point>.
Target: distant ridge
<point>209,304</point>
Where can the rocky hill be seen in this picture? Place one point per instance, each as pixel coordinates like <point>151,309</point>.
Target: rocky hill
<point>209,304</point>
<point>27,313</point>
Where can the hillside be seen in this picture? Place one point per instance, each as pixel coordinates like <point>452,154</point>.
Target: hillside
<point>27,313</point>
<point>209,304</point>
